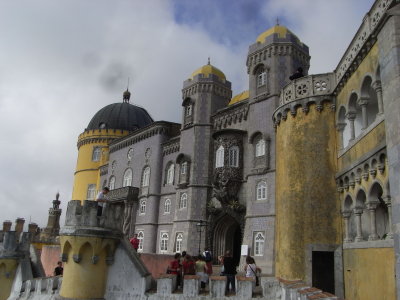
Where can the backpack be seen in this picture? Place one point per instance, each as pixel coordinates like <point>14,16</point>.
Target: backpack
<point>208,256</point>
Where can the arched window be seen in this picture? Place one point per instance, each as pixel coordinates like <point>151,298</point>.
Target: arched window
<point>91,192</point>
<point>188,110</point>
<point>259,244</point>
<point>178,242</point>
<point>183,201</point>
<point>234,156</point>
<point>167,206</point>
<point>262,190</point>
<point>261,77</point>
<point>140,237</point>
<point>260,148</point>
<point>219,157</point>
<point>170,174</point>
<point>142,207</point>
<point>127,178</point>
<point>184,168</point>
<point>96,153</point>
<point>111,184</point>
<point>164,242</point>
<point>146,177</point>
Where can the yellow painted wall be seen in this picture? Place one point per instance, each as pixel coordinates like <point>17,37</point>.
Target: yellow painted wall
<point>87,171</point>
<point>369,274</point>
<point>368,66</point>
<point>85,280</point>
<point>369,142</point>
<point>306,199</point>
<point>7,266</point>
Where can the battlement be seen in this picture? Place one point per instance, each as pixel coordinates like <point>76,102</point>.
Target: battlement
<point>37,288</point>
<point>14,244</point>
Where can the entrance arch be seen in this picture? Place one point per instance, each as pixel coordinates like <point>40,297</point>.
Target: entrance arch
<point>227,236</point>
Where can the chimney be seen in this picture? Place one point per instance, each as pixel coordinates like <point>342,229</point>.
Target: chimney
<point>32,228</point>
<point>7,226</point>
<point>19,225</point>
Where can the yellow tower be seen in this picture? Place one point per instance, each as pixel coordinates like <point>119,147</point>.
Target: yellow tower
<point>86,250</point>
<point>111,122</point>
<point>307,219</point>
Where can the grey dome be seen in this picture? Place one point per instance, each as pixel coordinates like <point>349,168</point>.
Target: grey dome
<point>123,116</point>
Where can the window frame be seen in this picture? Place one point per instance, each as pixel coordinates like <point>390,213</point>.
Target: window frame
<point>127,181</point>
<point>179,242</point>
<point>164,241</point>
<point>184,167</point>
<point>167,204</point>
<point>142,206</point>
<point>261,146</point>
<point>91,188</point>
<point>170,174</point>
<point>261,190</point>
<point>96,153</point>
<point>219,157</point>
<point>146,177</point>
<point>259,244</point>
<point>233,156</point>
<point>261,78</point>
<point>111,183</point>
<point>140,236</point>
<point>188,110</point>
<point>183,199</point>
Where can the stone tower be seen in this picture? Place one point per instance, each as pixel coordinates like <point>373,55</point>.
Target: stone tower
<point>203,94</point>
<point>53,223</point>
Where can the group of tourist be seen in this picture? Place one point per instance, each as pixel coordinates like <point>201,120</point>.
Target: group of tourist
<point>185,264</point>
<point>201,265</point>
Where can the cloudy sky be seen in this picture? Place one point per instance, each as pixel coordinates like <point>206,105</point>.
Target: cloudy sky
<point>61,61</point>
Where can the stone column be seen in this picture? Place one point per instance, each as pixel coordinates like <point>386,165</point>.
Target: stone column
<point>377,86</point>
<point>358,212</point>
<point>346,216</point>
<point>351,116</point>
<point>372,209</point>
<point>388,202</point>
<point>363,102</point>
<point>340,128</point>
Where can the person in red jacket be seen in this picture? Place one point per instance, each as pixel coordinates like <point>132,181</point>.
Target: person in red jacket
<point>135,242</point>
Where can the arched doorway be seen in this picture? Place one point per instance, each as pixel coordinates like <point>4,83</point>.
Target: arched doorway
<point>227,236</point>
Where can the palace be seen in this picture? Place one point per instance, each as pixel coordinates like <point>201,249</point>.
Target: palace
<point>302,173</point>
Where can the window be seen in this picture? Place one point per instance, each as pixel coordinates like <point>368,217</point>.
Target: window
<point>178,243</point>
<point>111,184</point>
<point>183,201</point>
<point>170,174</point>
<point>167,206</point>
<point>146,177</point>
<point>140,237</point>
<point>188,110</point>
<point>261,78</point>
<point>262,190</point>
<point>184,168</point>
<point>164,242</point>
<point>260,148</point>
<point>96,153</point>
<point>142,207</point>
<point>259,244</point>
<point>219,157</point>
<point>91,192</point>
<point>234,156</point>
<point>127,178</point>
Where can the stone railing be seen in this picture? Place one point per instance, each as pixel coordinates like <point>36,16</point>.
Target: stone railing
<point>308,86</point>
<point>271,289</point>
<point>368,26</point>
<point>38,288</point>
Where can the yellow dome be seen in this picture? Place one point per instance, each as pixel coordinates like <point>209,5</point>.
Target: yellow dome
<point>208,69</point>
<point>280,30</point>
<point>239,97</point>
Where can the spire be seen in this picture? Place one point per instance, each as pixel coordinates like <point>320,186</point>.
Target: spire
<point>277,21</point>
<point>127,94</point>
<point>209,61</point>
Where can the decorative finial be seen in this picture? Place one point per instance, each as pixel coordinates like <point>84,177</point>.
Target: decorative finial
<point>209,61</point>
<point>126,95</point>
<point>277,21</point>
<point>57,196</point>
